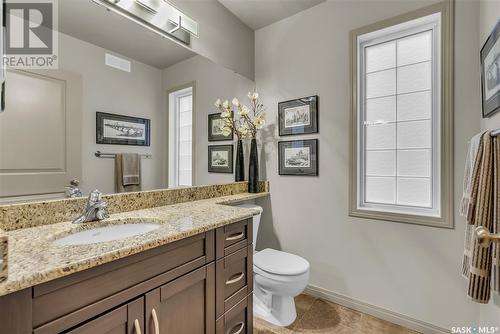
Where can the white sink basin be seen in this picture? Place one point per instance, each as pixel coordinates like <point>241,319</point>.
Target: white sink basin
<point>103,234</point>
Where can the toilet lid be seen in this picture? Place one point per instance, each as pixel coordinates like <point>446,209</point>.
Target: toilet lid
<point>280,263</point>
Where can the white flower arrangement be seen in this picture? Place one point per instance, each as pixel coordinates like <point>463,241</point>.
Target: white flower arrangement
<point>249,121</point>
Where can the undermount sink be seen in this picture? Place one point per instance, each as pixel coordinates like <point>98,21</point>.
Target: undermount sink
<point>107,233</point>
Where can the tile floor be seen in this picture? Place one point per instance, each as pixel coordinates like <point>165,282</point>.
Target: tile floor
<point>317,316</point>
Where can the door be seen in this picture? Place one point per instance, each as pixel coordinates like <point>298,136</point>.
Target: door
<point>183,306</point>
<point>127,319</point>
<point>40,133</point>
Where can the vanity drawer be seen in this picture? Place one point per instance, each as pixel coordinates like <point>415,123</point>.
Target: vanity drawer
<point>232,237</point>
<point>234,279</point>
<point>85,291</point>
<point>237,320</point>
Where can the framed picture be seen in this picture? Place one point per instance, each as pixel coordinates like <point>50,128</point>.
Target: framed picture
<point>215,125</point>
<point>490,73</point>
<point>220,159</point>
<point>298,157</point>
<point>122,130</point>
<point>298,117</point>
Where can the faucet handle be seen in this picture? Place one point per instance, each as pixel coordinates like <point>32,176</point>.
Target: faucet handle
<point>95,196</point>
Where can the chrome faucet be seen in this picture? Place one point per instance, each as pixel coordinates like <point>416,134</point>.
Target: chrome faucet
<point>95,210</point>
<point>72,190</point>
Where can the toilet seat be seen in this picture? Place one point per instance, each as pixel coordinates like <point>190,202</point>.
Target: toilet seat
<point>271,262</point>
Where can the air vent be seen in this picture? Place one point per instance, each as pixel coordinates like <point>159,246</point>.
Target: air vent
<point>117,62</point>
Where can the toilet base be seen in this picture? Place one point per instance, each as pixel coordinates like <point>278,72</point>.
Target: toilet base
<point>278,310</point>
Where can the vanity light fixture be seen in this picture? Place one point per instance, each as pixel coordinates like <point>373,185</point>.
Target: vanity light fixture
<point>156,15</point>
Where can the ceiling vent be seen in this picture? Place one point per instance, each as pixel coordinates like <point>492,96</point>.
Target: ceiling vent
<point>117,62</point>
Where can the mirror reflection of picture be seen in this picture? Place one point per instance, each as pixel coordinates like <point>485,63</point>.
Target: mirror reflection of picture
<point>220,159</point>
<point>215,125</point>
<point>490,73</point>
<point>122,130</point>
<point>298,157</point>
<point>299,116</point>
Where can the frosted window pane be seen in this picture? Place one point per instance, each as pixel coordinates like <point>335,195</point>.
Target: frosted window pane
<point>381,137</point>
<point>414,106</point>
<point>414,134</point>
<point>381,109</point>
<point>185,103</point>
<point>185,133</point>
<point>381,190</point>
<point>414,163</point>
<point>381,163</point>
<point>185,162</point>
<point>185,119</point>
<point>381,57</point>
<point>415,192</point>
<point>185,147</point>
<point>381,83</point>
<point>414,49</point>
<point>185,178</point>
<point>413,78</point>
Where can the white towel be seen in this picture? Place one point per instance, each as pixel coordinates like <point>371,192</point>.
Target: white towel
<point>469,169</point>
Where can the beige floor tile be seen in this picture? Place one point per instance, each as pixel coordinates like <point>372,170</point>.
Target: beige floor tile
<point>374,325</point>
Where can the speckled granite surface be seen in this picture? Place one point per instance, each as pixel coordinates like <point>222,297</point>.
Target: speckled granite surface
<point>35,259</point>
<point>23,215</point>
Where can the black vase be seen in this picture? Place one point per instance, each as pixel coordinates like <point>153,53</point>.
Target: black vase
<point>239,174</point>
<point>253,169</point>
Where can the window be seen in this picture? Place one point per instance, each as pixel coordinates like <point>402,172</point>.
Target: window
<point>401,119</point>
<point>181,138</point>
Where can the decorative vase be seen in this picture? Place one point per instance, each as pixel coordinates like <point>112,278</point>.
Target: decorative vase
<point>239,174</point>
<point>253,169</point>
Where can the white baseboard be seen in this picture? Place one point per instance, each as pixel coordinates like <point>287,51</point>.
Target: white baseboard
<point>397,318</point>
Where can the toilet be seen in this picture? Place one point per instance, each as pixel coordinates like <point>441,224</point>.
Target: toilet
<point>278,278</point>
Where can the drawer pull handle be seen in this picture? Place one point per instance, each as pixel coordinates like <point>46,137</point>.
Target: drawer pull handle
<point>234,280</point>
<point>235,236</point>
<point>137,327</point>
<point>155,321</point>
<point>241,324</point>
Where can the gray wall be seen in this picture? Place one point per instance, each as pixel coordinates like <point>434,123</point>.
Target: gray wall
<point>106,89</point>
<point>223,38</point>
<point>489,13</point>
<point>409,269</point>
<point>212,81</point>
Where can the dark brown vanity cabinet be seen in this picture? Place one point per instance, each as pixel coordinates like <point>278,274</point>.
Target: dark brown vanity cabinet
<point>201,284</point>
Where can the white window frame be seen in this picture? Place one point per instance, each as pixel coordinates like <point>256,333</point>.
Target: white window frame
<point>438,19</point>
<point>174,97</point>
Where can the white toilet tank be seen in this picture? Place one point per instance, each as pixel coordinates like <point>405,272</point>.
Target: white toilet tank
<point>256,219</point>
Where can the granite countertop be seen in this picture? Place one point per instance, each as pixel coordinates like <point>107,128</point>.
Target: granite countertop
<point>35,259</point>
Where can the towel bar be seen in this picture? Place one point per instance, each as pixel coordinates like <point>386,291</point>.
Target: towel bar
<point>100,154</point>
<point>485,238</point>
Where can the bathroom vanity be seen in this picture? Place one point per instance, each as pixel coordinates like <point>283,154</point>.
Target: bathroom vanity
<point>174,279</point>
<point>201,284</point>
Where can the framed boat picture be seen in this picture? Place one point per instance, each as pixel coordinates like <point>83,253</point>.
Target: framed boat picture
<point>298,157</point>
<point>490,73</point>
<point>220,159</point>
<point>215,125</point>
<point>122,130</point>
<point>299,116</point>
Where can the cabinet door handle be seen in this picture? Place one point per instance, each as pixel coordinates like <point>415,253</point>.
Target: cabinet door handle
<point>155,321</point>
<point>236,279</point>
<point>241,324</point>
<point>137,327</point>
<point>235,236</point>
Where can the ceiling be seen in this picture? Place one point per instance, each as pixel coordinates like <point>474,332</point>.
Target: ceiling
<point>120,35</point>
<point>260,13</point>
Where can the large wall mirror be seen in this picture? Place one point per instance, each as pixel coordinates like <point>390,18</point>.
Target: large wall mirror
<point>117,83</point>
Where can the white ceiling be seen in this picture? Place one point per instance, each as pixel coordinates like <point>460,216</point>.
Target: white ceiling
<point>260,13</point>
<point>92,23</point>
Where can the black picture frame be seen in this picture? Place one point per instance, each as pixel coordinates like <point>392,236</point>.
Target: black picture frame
<point>227,168</point>
<point>309,169</point>
<point>308,106</point>
<point>491,101</point>
<point>105,121</point>
<point>216,137</point>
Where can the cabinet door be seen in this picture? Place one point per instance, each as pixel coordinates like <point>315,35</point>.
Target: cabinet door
<point>128,319</point>
<point>183,306</point>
